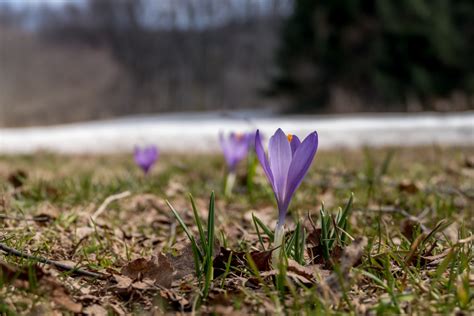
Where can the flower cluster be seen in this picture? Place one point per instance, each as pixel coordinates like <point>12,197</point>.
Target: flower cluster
<point>285,165</point>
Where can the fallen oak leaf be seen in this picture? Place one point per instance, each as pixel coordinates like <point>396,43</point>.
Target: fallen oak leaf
<point>157,268</point>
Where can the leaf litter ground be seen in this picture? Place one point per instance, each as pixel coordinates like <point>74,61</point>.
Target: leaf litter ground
<point>92,235</point>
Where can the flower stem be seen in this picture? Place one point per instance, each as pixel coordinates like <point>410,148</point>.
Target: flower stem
<point>229,184</point>
<point>278,244</point>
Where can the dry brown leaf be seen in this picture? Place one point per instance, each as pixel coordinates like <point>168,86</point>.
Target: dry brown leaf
<point>330,288</point>
<point>47,210</point>
<point>408,187</point>
<point>311,272</point>
<point>62,298</point>
<point>158,269</point>
<point>409,227</point>
<point>95,310</point>
<point>10,273</point>
<point>353,253</point>
<point>469,162</point>
<point>183,264</point>
<point>84,231</point>
<point>146,284</point>
<point>173,297</point>
<point>262,259</point>
<point>436,258</point>
<point>298,277</point>
<point>451,232</point>
<point>117,309</point>
<point>17,178</point>
<point>123,282</point>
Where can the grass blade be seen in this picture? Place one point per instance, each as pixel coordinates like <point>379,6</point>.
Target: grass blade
<point>210,246</point>
<point>260,239</point>
<point>180,220</point>
<point>197,220</point>
<point>210,226</point>
<point>265,228</point>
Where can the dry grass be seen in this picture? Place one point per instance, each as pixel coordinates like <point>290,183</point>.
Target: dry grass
<point>413,207</point>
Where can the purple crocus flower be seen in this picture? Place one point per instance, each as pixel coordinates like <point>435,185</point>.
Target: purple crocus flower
<point>235,147</point>
<point>145,157</point>
<point>288,162</point>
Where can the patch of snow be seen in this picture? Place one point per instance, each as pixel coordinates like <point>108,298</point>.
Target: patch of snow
<point>191,132</point>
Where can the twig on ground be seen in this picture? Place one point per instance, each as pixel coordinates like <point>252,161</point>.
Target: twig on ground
<point>40,218</point>
<point>58,265</point>
<point>107,201</point>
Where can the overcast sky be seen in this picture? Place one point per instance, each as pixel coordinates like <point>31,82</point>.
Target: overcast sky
<point>25,3</point>
<point>151,14</point>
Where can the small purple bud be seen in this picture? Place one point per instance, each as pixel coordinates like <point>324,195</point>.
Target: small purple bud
<point>146,157</point>
<point>235,148</point>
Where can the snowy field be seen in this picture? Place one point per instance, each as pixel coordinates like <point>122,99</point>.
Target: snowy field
<point>198,132</point>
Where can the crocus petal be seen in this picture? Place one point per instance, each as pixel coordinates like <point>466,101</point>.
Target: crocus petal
<point>263,159</point>
<point>152,153</point>
<point>279,157</point>
<point>295,143</point>
<point>226,150</point>
<point>300,164</point>
<point>241,148</point>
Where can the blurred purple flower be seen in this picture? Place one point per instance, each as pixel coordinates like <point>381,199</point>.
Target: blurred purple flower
<point>252,136</point>
<point>235,147</point>
<point>287,163</point>
<point>145,157</point>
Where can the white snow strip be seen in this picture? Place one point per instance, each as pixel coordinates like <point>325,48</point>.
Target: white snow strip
<point>198,132</point>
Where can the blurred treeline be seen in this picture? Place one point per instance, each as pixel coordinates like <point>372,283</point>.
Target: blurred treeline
<point>370,54</point>
<point>91,59</point>
<point>101,58</point>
